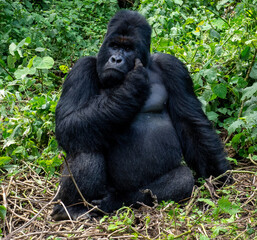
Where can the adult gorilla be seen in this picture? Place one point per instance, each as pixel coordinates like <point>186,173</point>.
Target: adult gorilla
<point>125,118</point>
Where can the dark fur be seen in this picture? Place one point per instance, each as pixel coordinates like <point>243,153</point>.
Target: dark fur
<point>116,148</point>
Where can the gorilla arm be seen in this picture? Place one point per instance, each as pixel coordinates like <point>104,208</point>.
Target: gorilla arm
<point>201,146</point>
<point>86,119</point>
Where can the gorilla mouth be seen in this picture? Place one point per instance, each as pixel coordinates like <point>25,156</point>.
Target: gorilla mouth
<point>113,69</point>
<point>112,77</point>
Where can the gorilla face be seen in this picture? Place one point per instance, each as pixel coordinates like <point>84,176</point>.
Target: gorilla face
<point>116,58</point>
<point>128,37</point>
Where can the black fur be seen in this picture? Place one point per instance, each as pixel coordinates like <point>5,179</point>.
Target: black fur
<point>125,119</point>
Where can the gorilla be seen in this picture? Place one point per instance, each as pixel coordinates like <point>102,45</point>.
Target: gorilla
<point>126,119</point>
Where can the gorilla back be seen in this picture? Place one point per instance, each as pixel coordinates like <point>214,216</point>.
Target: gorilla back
<point>125,119</point>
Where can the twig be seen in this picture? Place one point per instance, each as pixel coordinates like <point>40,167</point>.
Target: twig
<point>224,20</point>
<point>182,234</point>
<point>140,234</point>
<point>250,157</point>
<point>65,209</point>
<point>191,202</point>
<point>30,221</point>
<point>116,231</point>
<point>7,71</point>
<point>49,233</point>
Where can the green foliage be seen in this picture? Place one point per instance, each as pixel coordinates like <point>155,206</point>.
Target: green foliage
<point>27,114</point>
<point>223,206</point>
<point>2,212</point>
<point>124,218</point>
<point>32,36</point>
<point>217,42</point>
<point>40,41</point>
<point>65,28</point>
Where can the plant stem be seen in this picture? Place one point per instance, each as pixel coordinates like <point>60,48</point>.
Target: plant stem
<point>7,71</point>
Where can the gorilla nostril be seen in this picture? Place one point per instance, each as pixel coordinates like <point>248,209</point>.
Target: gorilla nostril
<point>115,60</point>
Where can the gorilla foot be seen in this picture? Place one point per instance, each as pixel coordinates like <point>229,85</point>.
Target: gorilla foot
<point>59,213</point>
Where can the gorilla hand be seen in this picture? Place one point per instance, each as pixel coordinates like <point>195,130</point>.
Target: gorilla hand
<point>138,73</point>
<point>138,63</point>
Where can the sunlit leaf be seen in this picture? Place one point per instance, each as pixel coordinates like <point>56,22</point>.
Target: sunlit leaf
<point>220,90</point>
<point>43,63</point>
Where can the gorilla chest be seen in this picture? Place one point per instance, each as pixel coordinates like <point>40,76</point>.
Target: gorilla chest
<point>158,94</point>
<point>148,148</point>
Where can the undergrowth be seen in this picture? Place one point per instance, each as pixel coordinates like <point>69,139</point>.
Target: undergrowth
<point>217,40</point>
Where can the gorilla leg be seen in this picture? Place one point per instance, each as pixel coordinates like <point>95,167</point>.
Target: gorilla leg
<point>89,173</point>
<point>176,185</point>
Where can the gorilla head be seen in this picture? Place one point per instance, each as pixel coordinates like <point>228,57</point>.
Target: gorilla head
<point>128,37</point>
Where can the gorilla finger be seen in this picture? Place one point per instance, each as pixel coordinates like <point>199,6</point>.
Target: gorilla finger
<point>96,202</point>
<point>138,63</point>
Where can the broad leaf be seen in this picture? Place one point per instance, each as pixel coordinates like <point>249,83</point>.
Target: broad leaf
<point>249,91</point>
<point>253,73</point>
<point>2,212</point>
<point>43,63</point>
<point>220,90</point>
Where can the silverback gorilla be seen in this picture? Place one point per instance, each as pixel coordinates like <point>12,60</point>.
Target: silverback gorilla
<point>125,119</point>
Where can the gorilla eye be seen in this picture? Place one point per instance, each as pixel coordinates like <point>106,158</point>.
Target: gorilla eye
<point>114,45</point>
<point>127,48</point>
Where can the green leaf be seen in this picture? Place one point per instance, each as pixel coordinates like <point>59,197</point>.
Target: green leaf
<point>4,160</point>
<point>19,149</point>
<point>103,219</point>
<point>112,227</point>
<point>2,63</point>
<point>208,201</point>
<point>43,63</point>
<point>11,61</point>
<point>249,91</point>
<point>253,73</point>
<point>209,74</point>
<point>251,41</point>
<point>212,116</point>
<point>245,53</point>
<point>220,90</point>
<point>218,23</point>
<point>237,138</point>
<point>179,2</point>
<point>203,237</point>
<point>214,34</point>
<point>40,49</point>
<point>12,48</point>
<point>8,143</point>
<point>226,206</point>
<point>218,50</point>
<point>22,73</point>
<point>189,21</point>
<point>237,124</point>
<point>26,41</point>
<point>2,212</point>
<point>30,64</point>
<point>39,134</point>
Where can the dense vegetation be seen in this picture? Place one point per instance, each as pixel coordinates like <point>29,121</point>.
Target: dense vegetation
<point>41,40</point>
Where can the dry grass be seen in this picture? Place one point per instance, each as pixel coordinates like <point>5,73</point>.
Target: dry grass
<point>28,199</point>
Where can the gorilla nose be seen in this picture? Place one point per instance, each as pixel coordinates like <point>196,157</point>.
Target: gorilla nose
<point>116,60</point>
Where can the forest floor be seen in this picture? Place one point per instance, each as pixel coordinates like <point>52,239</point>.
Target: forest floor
<point>28,198</point>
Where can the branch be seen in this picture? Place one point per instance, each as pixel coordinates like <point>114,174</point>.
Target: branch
<point>7,71</point>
